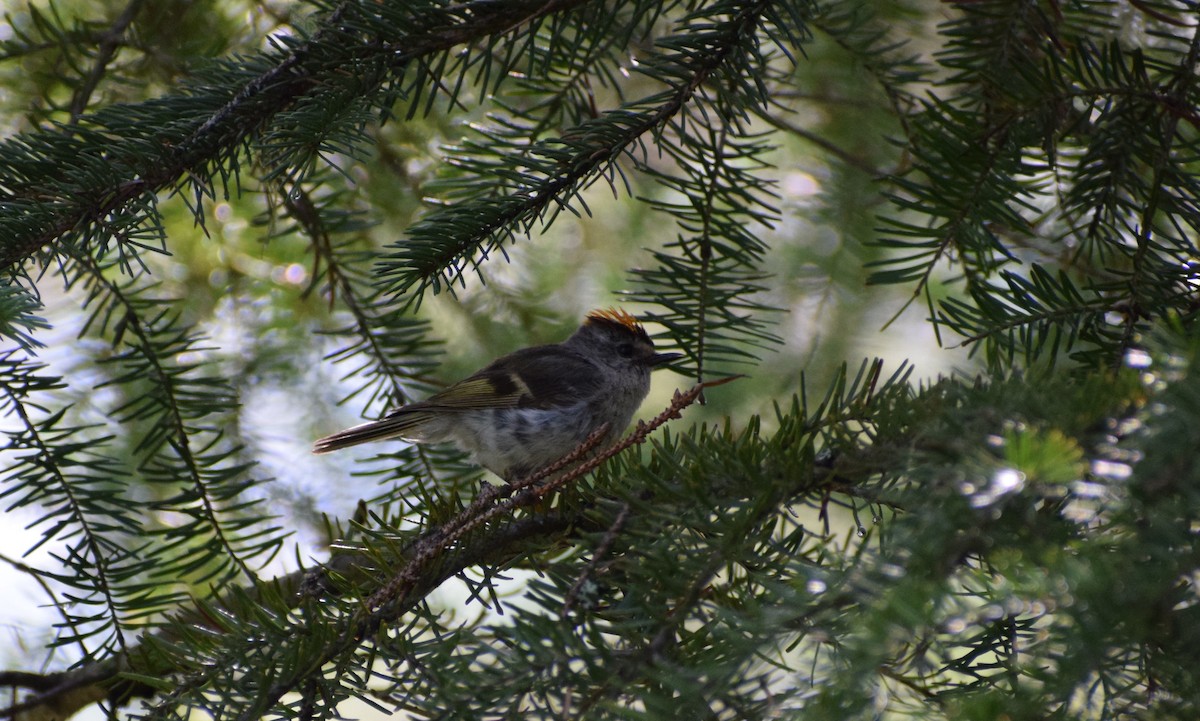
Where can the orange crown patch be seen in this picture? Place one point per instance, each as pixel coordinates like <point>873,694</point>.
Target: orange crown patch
<point>616,315</point>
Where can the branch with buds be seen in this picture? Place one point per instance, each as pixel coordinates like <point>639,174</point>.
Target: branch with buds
<point>494,501</point>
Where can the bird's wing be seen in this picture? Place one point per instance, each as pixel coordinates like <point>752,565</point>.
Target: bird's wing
<point>541,377</point>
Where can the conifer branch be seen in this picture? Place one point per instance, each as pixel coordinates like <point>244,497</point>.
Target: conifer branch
<point>435,556</point>
<point>312,64</point>
<point>1176,104</point>
<point>176,432</point>
<point>372,316</point>
<point>68,492</point>
<point>428,259</point>
<point>428,553</point>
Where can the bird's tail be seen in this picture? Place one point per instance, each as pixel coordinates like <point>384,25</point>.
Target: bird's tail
<point>400,425</point>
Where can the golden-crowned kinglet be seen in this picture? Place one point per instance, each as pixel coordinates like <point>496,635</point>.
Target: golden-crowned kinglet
<point>533,406</point>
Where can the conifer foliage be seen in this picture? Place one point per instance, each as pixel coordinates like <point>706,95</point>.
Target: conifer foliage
<point>1018,542</point>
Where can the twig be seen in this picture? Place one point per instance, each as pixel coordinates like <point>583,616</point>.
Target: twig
<point>494,501</point>
<point>610,537</point>
<point>110,41</point>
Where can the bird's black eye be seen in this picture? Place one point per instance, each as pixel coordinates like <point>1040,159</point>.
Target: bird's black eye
<point>625,350</point>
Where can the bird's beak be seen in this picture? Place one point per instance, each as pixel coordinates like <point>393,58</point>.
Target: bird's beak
<point>661,359</point>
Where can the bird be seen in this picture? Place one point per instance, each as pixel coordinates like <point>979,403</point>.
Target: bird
<point>533,406</point>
